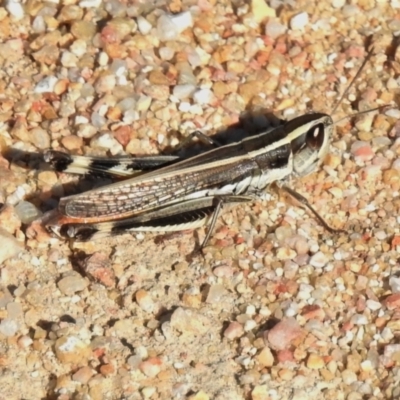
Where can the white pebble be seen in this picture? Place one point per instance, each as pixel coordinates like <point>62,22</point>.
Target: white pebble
<point>8,327</point>
<point>184,106</point>
<point>318,260</point>
<point>38,24</point>
<point>17,196</point>
<point>380,235</point>
<point>249,325</point>
<point>166,53</point>
<point>359,319</point>
<point>68,59</point>
<point>108,142</point>
<point>250,310</point>
<point>373,305</point>
<point>143,25</point>
<point>182,21</point>
<point>299,21</point>
<point>46,85</point>
<point>292,310</point>
<point>79,47</point>
<point>15,8</point>
<point>203,96</point>
<point>387,334</point>
<point>274,29</point>
<point>338,3</point>
<point>130,116</point>
<point>394,283</point>
<point>394,113</point>
<point>166,29</point>
<point>349,377</point>
<point>90,3</point>
<point>183,91</point>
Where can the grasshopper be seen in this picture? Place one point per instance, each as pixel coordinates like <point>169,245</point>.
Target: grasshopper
<point>173,194</point>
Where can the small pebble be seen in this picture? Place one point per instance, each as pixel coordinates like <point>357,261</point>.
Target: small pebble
<point>265,357</point>
<point>394,283</point>
<point>144,26</point>
<point>72,284</point>
<point>144,300</point>
<point>338,3</point>
<point>8,327</point>
<point>283,333</point>
<point>215,293</point>
<point>14,7</point>
<point>234,330</point>
<point>98,267</point>
<point>349,377</point>
<point>46,85</point>
<point>170,26</point>
<point>27,212</point>
<point>189,321</point>
<point>393,301</point>
<point>151,367</point>
<point>314,361</point>
<point>318,260</point>
<point>261,10</point>
<point>361,151</point>
<point>183,91</point>
<point>274,29</point>
<point>10,247</point>
<point>72,350</point>
<point>299,21</point>
<point>83,375</point>
<point>393,112</point>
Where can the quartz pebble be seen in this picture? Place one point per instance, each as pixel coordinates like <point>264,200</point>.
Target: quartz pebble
<point>14,7</point>
<point>143,25</point>
<point>274,29</point>
<point>183,91</point>
<point>338,3</point>
<point>170,26</point>
<point>8,327</point>
<point>46,84</point>
<point>318,260</point>
<point>299,21</point>
<point>27,212</point>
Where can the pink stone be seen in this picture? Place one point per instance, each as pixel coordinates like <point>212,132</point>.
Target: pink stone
<point>283,333</point>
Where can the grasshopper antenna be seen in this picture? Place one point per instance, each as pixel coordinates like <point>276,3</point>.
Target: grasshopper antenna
<point>367,58</point>
<point>361,112</point>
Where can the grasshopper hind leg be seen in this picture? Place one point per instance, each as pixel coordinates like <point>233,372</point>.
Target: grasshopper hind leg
<point>190,214</point>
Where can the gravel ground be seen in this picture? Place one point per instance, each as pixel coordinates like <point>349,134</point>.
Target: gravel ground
<point>277,308</point>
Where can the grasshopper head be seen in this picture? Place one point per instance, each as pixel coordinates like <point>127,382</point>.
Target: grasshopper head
<point>309,135</point>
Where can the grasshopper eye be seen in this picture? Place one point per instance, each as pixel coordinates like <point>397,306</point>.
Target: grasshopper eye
<point>315,136</point>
